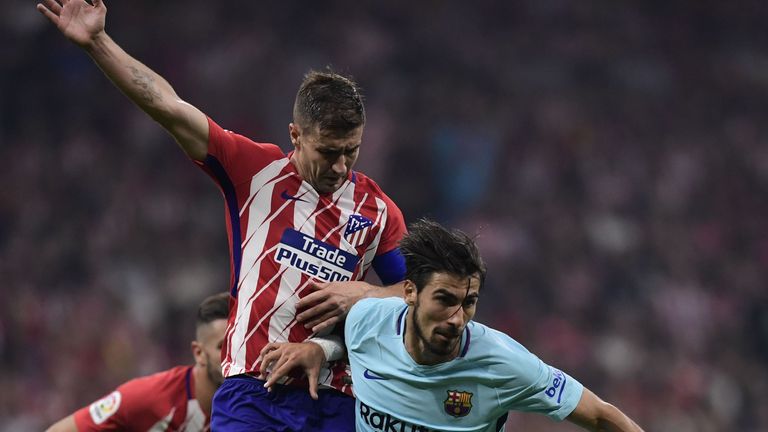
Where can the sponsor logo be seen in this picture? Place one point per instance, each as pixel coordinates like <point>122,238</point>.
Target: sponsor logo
<point>557,385</point>
<point>103,408</point>
<point>458,403</point>
<point>314,257</point>
<point>357,230</point>
<point>386,422</point>
<point>373,376</point>
<point>286,197</point>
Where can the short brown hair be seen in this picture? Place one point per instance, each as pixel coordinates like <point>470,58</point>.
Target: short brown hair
<point>330,101</point>
<point>213,308</point>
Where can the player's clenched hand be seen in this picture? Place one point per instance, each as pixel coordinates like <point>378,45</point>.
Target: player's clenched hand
<point>278,359</point>
<point>329,303</point>
<point>79,21</point>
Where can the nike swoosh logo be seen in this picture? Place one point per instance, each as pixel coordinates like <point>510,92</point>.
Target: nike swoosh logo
<point>285,196</point>
<point>372,376</point>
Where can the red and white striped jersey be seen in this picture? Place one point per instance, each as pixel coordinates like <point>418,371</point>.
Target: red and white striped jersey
<point>161,402</point>
<point>282,235</point>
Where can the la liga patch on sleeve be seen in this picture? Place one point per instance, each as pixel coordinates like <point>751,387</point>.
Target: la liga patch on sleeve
<point>103,408</point>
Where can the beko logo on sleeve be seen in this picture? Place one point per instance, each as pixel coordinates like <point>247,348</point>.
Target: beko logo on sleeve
<point>557,385</point>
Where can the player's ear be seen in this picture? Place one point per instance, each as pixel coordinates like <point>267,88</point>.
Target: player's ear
<point>410,292</point>
<point>197,352</point>
<point>294,131</point>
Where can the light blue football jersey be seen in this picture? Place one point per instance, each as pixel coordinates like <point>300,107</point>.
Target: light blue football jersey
<point>492,375</point>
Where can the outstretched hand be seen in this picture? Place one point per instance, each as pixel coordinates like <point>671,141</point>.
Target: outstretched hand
<point>279,358</point>
<point>329,303</point>
<point>78,20</point>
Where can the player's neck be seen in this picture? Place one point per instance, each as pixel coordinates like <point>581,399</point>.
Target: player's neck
<point>204,389</point>
<point>296,165</point>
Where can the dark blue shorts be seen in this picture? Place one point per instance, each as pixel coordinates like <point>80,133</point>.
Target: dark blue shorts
<point>243,404</point>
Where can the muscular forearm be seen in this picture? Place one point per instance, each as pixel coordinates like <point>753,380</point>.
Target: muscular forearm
<point>592,413</point>
<point>610,419</point>
<point>66,424</point>
<point>153,94</point>
<point>144,87</point>
<point>395,290</point>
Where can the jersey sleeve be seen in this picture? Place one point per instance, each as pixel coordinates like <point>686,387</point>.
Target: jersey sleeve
<point>105,414</point>
<point>389,263</point>
<point>122,409</point>
<point>235,158</point>
<point>394,230</point>
<point>534,386</point>
<point>390,266</point>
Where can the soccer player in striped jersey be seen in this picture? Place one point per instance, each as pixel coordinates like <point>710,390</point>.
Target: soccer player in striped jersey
<point>178,399</point>
<point>423,365</point>
<point>302,227</point>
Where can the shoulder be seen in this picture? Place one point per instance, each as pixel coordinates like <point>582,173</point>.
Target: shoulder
<point>175,375</point>
<point>372,313</point>
<point>367,184</point>
<point>223,142</point>
<point>395,221</point>
<point>499,352</point>
<point>146,391</point>
<point>136,401</point>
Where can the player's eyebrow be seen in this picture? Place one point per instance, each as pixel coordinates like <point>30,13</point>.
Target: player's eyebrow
<point>331,148</point>
<point>449,294</point>
<point>454,297</point>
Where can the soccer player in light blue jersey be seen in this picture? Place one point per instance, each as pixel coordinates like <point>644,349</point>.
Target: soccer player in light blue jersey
<point>422,364</point>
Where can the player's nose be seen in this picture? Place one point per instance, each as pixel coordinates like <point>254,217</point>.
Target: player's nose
<point>457,320</point>
<point>339,166</point>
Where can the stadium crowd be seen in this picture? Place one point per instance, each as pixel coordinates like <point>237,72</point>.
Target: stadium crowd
<point>612,157</point>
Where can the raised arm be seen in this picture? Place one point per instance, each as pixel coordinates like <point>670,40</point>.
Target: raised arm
<point>83,24</point>
<point>593,414</point>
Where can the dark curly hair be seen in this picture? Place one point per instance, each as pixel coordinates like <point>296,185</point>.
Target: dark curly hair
<point>431,248</point>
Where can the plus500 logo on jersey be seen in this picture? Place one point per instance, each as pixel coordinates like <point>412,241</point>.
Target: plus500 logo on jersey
<point>314,257</point>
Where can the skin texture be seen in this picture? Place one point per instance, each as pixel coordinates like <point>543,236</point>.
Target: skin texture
<point>324,161</point>
<point>278,359</point>
<point>207,352</point>
<point>438,315</point>
<point>83,24</point>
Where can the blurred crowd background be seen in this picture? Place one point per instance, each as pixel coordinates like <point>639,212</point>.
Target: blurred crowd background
<point>611,156</point>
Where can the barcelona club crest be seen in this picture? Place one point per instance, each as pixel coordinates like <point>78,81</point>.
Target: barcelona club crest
<point>458,403</point>
<point>357,229</point>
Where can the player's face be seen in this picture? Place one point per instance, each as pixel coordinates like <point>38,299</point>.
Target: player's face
<point>324,161</point>
<point>440,313</point>
<point>211,337</point>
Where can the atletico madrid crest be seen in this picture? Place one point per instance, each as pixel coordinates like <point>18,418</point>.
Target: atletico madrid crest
<point>357,229</point>
<point>458,403</point>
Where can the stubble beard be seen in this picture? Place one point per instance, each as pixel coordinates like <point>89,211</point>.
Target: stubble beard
<point>434,348</point>
<point>213,370</point>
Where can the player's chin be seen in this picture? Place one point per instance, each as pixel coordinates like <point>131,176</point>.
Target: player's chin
<point>442,345</point>
<point>325,187</point>
<point>216,378</point>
